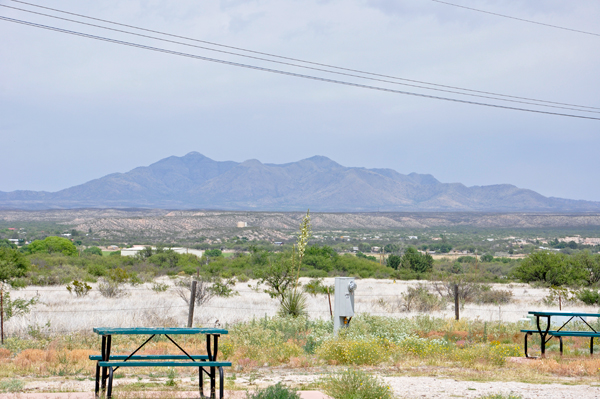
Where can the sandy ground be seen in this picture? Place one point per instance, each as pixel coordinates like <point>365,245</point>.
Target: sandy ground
<point>403,387</point>
<point>60,312</point>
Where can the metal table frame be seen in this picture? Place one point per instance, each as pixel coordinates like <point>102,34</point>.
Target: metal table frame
<point>548,316</point>
<point>212,334</point>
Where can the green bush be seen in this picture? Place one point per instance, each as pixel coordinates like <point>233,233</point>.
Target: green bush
<point>278,391</point>
<point>554,269</point>
<point>356,384</point>
<point>97,270</point>
<point>93,251</point>
<point>589,297</point>
<point>416,261</point>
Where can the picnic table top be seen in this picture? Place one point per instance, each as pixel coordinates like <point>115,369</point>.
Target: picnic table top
<point>157,330</point>
<point>561,313</point>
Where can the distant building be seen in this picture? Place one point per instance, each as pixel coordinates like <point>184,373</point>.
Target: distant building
<point>278,243</point>
<point>413,237</point>
<point>242,224</point>
<point>355,249</point>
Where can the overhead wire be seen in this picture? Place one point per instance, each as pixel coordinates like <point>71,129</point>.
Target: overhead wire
<point>515,18</point>
<point>280,72</point>
<point>303,66</point>
<point>289,58</point>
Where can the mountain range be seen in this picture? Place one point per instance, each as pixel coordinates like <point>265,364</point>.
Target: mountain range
<point>197,182</point>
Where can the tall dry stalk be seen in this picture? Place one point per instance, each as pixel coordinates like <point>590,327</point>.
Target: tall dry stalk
<point>303,237</point>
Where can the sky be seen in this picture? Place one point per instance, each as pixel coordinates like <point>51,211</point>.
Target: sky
<point>73,109</point>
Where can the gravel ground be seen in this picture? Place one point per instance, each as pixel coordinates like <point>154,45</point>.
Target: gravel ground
<point>431,387</point>
<point>403,387</point>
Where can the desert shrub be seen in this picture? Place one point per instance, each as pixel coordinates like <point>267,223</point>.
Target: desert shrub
<point>589,296</point>
<point>242,278</point>
<point>420,299</point>
<point>97,270</point>
<point>345,350</point>
<point>224,289</point>
<point>79,288</point>
<point>277,391</point>
<point>293,303</point>
<point>110,289</point>
<point>423,347</point>
<point>262,345</point>
<point>553,269</point>
<point>12,385</point>
<point>159,287</point>
<point>355,384</point>
<point>488,295</point>
<point>202,295</point>
<point>92,251</point>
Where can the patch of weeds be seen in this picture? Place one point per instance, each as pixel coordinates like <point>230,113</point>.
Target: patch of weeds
<point>278,391</point>
<point>356,384</point>
<point>171,374</point>
<point>11,386</point>
<point>501,396</point>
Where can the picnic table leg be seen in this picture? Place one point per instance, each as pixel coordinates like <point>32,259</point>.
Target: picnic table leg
<point>105,357</point>
<point>525,346</point>
<point>221,383</point>
<point>201,381</point>
<point>591,346</point>
<point>213,383</point>
<point>97,385</point>
<point>561,345</point>
<point>543,334</point>
<point>110,383</point>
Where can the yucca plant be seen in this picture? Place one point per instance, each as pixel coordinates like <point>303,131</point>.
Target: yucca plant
<point>293,304</point>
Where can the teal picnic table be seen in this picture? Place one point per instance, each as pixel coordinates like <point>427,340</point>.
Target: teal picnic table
<point>106,363</point>
<point>562,331</point>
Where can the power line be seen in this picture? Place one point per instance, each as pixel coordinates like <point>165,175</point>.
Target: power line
<point>301,66</point>
<point>286,58</point>
<point>310,77</point>
<point>515,18</point>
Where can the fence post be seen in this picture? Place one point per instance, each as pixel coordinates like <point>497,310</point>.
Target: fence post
<point>192,302</point>
<point>456,306</point>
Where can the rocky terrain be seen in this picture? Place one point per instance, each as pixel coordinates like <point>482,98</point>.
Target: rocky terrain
<point>278,225</point>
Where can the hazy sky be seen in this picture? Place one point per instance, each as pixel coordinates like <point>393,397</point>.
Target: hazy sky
<point>73,109</point>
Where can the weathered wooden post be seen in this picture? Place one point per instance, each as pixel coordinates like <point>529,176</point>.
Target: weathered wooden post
<point>456,305</point>
<point>192,302</point>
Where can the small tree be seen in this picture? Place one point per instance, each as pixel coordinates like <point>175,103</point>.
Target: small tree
<point>414,260</point>
<point>53,245</point>
<point>12,265</point>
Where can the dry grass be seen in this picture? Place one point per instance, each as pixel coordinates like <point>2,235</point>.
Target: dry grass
<point>60,312</point>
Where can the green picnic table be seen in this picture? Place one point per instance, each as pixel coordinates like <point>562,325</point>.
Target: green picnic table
<point>561,331</point>
<point>107,364</point>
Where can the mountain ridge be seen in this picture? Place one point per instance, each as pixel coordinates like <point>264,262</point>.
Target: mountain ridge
<point>195,181</point>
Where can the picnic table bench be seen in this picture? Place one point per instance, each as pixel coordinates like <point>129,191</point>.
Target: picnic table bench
<point>561,331</point>
<point>107,364</point>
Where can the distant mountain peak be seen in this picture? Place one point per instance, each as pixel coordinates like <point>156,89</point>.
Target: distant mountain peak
<point>195,181</point>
